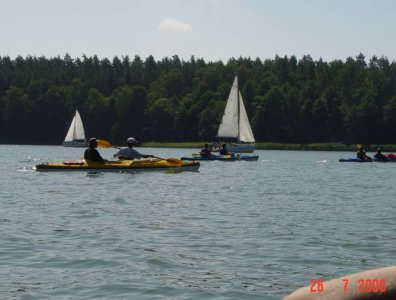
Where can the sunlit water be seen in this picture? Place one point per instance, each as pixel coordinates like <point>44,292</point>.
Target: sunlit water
<point>232,230</point>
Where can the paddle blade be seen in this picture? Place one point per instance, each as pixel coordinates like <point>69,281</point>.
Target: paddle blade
<point>175,161</point>
<point>172,161</point>
<point>103,144</point>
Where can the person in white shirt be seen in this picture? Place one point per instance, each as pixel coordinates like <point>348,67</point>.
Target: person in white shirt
<point>129,152</point>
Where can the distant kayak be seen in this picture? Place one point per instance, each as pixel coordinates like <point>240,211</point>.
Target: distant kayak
<point>391,157</point>
<point>235,157</point>
<point>386,159</point>
<point>122,165</point>
<point>355,159</point>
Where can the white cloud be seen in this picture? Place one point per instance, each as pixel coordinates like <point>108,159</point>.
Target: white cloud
<point>170,24</point>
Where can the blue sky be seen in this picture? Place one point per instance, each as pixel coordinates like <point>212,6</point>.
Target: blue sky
<point>209,29</point>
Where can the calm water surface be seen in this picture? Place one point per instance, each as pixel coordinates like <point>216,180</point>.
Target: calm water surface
<point>232,230</point>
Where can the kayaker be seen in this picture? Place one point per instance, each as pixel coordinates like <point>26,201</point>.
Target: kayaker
<point>130,153</point>
<point>92,153</point>
<point>379,155</point>
<point>362,154</point>
<point>224,151</point>
<point>205,151</point>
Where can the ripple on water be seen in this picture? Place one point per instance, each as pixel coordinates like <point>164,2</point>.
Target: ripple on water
<point>241,230</point>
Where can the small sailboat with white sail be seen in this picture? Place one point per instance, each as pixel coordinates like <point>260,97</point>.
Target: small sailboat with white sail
<point>234,129</point>
<point>75,137</point>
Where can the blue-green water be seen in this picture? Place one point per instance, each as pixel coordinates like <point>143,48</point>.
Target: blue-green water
<point>233,230</point>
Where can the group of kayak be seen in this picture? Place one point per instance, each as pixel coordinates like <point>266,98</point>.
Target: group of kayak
<point>131,159</point>
<point>361,156</point>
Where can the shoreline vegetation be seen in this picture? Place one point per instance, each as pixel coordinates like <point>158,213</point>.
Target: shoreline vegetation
<point>259,146</point>
<point>287,100</point>
<point>283,146</point>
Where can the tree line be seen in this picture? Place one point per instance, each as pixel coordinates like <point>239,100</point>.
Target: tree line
<point>288,100</point>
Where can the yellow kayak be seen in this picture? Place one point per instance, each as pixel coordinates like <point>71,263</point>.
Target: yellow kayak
<point>148,164</point>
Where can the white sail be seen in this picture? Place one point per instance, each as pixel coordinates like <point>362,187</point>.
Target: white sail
<point>235,123</point>
<point>229,125</point>
<point>245,131</point>
<point>76,135</point>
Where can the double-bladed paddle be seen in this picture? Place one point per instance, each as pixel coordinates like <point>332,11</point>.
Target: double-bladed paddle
<point>173,161</point>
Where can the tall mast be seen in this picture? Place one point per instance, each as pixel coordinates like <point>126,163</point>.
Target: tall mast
<point>75,122</point>
<point>239,112</point>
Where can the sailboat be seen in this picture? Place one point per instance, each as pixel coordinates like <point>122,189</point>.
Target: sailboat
<point>235,127</point>
<point>75,137</point>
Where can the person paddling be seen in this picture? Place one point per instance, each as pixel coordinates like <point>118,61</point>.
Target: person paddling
<point>91,153</point>
<point>379,155</point>
<point>224,151</point>
<point>130,153</point>
<point>361,154</point>
<point>205,151</point>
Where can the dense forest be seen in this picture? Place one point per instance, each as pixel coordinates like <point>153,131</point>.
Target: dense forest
<point>288,100</point>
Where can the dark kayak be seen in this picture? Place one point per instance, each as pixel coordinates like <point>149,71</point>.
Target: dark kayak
<point>391,157</point>
<point>355,159</point>
<point>386,159</point>
<point>223,157</point>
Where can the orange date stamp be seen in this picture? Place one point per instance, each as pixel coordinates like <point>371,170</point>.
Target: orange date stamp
<point>372,285</point>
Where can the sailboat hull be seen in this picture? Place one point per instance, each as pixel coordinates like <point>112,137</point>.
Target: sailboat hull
<point>240,148</point>
<point>235,147</point>
<point>75,144</point>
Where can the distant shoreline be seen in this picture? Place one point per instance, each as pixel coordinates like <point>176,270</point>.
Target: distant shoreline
<point>259,146</point>
<point>282,146</point>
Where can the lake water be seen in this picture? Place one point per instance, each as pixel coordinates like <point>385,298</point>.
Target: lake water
<point>232,230</point>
